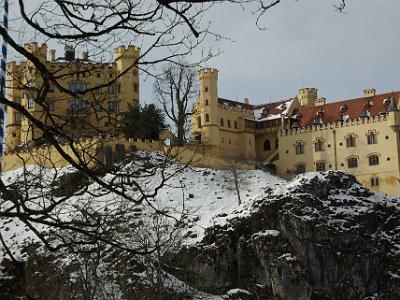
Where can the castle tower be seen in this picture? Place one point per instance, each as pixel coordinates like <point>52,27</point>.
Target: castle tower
<point>13,129</point>
<point>208,103</point>
<point>308,96</point>
<point>126,59</point>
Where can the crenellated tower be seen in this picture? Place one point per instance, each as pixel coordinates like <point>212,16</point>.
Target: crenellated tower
<point>308,96</point>
<point>126,59</point>
<point>208,104</point>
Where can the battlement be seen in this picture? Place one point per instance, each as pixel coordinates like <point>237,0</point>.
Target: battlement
<point>332,126</point>
<point>35,48</point>
<point>130,52</point>
<point>208,73</point>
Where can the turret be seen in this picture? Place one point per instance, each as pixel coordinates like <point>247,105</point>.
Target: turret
<point>308,96</point>
<point>394,115</point>
<point>208,104</point>
<point>126,59</point>
<point>39,51</point>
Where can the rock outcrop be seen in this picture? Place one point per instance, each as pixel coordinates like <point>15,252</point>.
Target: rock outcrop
<point>320,236</point>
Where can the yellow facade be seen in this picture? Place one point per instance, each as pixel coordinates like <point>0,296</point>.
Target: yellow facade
<point>81,114</point>
<point>363,143</point>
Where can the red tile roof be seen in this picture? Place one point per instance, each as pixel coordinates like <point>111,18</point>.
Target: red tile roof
<point>355,109</point>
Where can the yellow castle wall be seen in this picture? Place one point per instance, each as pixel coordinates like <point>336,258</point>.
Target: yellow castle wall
<point>334,136</point>
<point>89,121</point>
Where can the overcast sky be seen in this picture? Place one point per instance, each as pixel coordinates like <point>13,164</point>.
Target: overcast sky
<point>308,44</point>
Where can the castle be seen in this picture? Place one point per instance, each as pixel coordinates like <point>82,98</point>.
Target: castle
<point>304,133</point>
<point>116,86</point>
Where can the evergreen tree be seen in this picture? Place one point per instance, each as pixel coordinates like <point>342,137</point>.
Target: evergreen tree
<point>143,122</point>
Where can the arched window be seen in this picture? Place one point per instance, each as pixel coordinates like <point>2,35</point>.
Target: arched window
<point>373,160</point>
<point>352,162</point>
<point>267,145</point>
<point>320,166</point>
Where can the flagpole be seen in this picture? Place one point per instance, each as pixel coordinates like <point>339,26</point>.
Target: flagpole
<point>3,70</point>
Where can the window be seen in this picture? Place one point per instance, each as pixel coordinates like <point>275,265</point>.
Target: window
<point>352,162</point>
<point>51,87</point>
<point>374,181</point>
<point>206,89</point>
<point>77,86</point>
<point>30,103</point>
<point>222,122</point>
<point>372,138</point>
<point>236,125</point>
<point>198,122</point>
<point>206,102</point>
<point>97,106</point>
<point>229,123</point>
<point>267,145</point>
<point>50,105</point>
<point>320,166</point>
<point>76,104</point>
<point>207,118</point>
<point>111,89</point>
<point>299,148</point>
<point>373,160</point>
<point>351,141</point>
<point>135,87</point>
<point>319,146</point>
<point>119,88</point>
<point>300,168</point>
<point>276,144</point>
<point>17,117</point>
<point>112,106</point>
<point>98,91</point>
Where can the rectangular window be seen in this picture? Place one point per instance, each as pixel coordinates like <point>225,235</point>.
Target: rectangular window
<point>236,125</point>
<point>350,141</point>
<point>111,89</point>
<point>222,122</point>
<point>319,146</point>
<point>17,117</point>
<point>229,123</point>
<point>135,87</point>
<point>97,106</point>
<point>50,105</point>
<point>299,148</point>
<point>207,118</point>
<point>373,160</point>
<point>206,89</point>
<point>119,88</point>
<point>320,166</point>
<point>374,181</point>
<point>77,86</point>
<point>206,102</point>
<point>300,169</point>
<point>112,106</point>
<point>76,104</point>
<point>30,103</point>
<point>371,138</point>
<point>352,162</point>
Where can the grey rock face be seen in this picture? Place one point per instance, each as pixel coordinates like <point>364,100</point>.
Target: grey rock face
<point>322,236</point>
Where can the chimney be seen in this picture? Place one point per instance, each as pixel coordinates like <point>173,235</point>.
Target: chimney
<point>369,92</point>
<point>85,56</point>
<point>69,53</point>
<point>52,55</point>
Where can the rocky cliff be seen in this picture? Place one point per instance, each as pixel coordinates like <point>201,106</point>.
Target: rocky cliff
<point>321,236</point>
